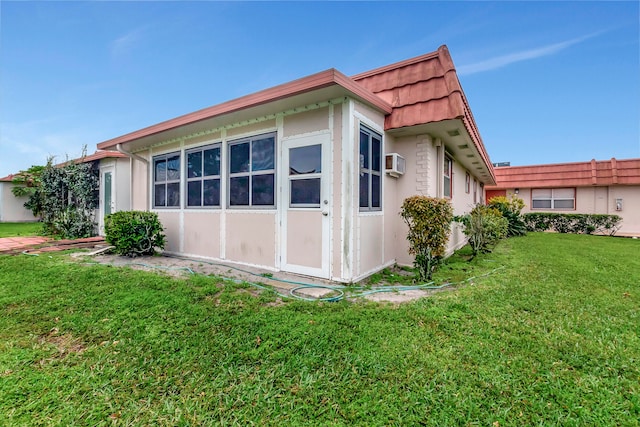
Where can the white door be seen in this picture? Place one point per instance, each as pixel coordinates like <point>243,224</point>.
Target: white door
<point>306,210</point>
<point>107,196</point>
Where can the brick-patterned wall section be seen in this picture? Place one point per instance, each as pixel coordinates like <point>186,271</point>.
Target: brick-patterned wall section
<point>423,150</point>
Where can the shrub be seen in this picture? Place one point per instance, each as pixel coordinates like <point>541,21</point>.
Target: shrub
<point>429,220</point>
<point>510,209</point>
<point>484,226</point>
<point>134,232</point>
<point>572,223</point>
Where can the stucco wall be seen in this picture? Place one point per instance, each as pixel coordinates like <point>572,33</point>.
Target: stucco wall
<point>202,233</point>
<point>11,207</point>
<point>630,212</point>
<point>250,237</point>
<point>599,200</point>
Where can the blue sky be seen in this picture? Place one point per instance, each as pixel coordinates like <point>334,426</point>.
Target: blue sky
<point>546,81</point>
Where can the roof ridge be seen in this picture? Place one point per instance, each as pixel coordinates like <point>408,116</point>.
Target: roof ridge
<point>400,64</point>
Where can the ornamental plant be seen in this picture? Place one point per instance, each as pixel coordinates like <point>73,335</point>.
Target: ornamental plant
<point>484,226</point>
<point>429,220</point>
<point>134,233</point>
<point>510,209</point>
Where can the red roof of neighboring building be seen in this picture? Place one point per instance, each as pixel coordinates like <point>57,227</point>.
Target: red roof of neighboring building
<point>579,174</point>
<point>7,178</point>
<point>421,90</point>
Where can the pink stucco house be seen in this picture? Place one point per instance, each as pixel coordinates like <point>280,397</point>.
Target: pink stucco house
<point>308,177</point>
<point>595,187</point>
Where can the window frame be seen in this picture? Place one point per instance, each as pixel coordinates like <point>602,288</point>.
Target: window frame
<point>447,174</point>
<point>552,199</point>
<point>250,174</point>
<point>165,157</point>
<point>475,191</point>
<point>369,170</point>
<point>316,175</point>
<point>203,178</point>
<point>467,183</point>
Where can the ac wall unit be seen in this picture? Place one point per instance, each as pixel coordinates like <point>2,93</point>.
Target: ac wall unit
<point>395,165</point>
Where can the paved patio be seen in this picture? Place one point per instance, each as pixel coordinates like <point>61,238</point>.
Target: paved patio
<point>37,244</point>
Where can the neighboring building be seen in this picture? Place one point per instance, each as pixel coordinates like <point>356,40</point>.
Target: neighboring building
<point>595,187</point>
<point>309,176</point>
<point>11,207</point>
<point>114,170</point>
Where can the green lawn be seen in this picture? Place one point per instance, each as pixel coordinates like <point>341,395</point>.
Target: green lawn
<point>13,229</point>
<point>551,339</point>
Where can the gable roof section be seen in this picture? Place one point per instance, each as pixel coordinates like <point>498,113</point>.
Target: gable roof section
<point>421,90</point>
<point>331,77</point>
<point>8,178</point>
<point>579,174</point>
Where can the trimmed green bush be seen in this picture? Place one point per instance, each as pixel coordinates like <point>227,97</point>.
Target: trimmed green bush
<point>134,233</point>
<point>510,209</point>
<point>484,226</point>
<point>429,220</point>
<point>572,223</point>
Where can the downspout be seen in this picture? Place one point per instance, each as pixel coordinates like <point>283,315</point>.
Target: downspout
<point>133,156</point>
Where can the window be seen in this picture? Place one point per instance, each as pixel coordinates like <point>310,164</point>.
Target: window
<point>166,180</point>
<point>553,198</point>
<point>203,176</point>
<point>475,191</point>
<point>448,176</point>
<point>370,170</point>
<point>467,183</point>
<point>305,168</point>
<point>252,171</point>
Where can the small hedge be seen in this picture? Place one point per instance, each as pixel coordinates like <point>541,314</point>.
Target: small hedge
<point>572,223</point>
<point>429,221</point>
<point>134,233</point>
<point>484,226</point>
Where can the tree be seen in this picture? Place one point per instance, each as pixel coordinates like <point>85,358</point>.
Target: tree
<point>27,184</point>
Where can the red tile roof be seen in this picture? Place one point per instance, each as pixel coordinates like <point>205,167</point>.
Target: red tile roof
<point>421,90</point>
<point>580,174</point>
<point>7,178</point>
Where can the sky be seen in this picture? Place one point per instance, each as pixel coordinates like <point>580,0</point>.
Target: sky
<point>547,82</point>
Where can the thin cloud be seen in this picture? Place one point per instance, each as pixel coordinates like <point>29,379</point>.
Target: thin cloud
<point>126,43</point>
<point>525,55</point>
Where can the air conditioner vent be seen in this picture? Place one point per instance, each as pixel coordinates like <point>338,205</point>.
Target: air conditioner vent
<point>395,165</point>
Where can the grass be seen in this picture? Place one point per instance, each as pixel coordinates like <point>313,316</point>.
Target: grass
<point>13,229</point>
<point>551,339</point>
